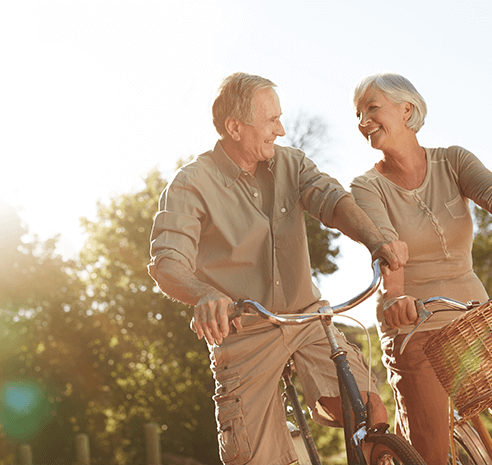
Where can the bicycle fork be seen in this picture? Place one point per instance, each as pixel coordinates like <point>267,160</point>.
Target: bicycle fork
<point>352,401</point>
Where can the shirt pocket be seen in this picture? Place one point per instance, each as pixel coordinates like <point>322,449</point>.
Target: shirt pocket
<point>289,225</point>
<point>457,207</point>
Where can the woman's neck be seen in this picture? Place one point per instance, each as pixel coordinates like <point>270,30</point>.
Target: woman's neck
<point>406,167</point>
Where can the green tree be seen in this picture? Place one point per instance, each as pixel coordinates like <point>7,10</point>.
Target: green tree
<point>157,369</point>
<point>36,286</point>
<point>310,134</point>
<point>482,248</point>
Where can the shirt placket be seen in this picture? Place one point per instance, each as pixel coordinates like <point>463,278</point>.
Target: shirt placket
<point>434,221</point>
<point>278,303</point>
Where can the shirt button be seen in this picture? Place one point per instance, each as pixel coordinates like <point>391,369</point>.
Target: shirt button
<point>277,283</point>
<point>283,209</point>
<point>255,194</point>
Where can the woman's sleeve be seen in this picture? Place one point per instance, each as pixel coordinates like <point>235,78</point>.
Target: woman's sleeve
<point>475,180</point>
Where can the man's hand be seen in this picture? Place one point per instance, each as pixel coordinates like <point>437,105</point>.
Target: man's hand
<point>395,253</point>
<point>352,221</point>
<point>211,317</point>
<point>400,311</point>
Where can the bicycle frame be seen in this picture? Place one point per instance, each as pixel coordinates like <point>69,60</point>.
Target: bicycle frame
<point>305,432</point>
<point>352,401</point>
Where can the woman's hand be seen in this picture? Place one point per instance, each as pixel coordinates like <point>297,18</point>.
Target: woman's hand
<point>400,311</point>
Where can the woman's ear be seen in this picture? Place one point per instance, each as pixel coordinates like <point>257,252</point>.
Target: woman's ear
<point>233,128</point>
<point>408,110</point>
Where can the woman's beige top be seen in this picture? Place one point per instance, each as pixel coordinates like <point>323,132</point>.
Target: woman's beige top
<point>435,221</point>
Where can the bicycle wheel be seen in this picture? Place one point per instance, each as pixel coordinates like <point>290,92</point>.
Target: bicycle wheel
<point>469,447</point>
<point>391,449</point>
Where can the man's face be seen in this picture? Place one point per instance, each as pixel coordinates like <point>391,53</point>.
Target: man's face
<point>257,138</point>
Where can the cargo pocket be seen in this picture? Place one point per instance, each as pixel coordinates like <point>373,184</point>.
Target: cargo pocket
<point>234,445</point>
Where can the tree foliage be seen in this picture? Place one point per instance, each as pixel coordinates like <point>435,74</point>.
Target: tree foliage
<point>482,248</point>
<point>310,134</point>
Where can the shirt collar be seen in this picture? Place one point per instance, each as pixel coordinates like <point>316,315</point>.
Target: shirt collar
<point>229,169</point>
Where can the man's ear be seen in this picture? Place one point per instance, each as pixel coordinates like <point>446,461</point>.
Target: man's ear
<point>233,128</point>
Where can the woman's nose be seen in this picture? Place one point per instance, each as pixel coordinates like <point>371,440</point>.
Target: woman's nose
<point>363,121</point>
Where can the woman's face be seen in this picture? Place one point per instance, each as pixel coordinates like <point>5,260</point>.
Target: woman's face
<point>381,121</point>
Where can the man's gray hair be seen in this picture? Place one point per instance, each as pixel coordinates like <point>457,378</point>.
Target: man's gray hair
<point>399,90</point>
<point>235,99</point>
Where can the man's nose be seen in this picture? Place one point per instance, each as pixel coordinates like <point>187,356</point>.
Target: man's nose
<point>280,130</point>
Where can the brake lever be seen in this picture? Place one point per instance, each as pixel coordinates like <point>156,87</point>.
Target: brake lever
<point>424,315</point>
<point>238,309</point>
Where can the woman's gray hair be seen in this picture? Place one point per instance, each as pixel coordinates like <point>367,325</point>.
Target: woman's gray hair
<point>235,99</point>
<point>399,90</point>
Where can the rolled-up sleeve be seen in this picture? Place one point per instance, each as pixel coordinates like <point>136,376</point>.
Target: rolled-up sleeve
<point>320,192</point>
<point>374,206</point>
<point>176,230</point>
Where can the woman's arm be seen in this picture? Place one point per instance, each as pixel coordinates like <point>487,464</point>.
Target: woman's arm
<point>399,309</point>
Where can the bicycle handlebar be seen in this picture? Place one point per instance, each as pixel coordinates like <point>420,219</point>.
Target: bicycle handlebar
<point>326,311</point>
<point>425,315</point>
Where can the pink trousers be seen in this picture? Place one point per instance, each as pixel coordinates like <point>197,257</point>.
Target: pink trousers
<point>422,416</point>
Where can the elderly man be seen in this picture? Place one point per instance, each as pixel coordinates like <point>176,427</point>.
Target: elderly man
<point>231,225</point>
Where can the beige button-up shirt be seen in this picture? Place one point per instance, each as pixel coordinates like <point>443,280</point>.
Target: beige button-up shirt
<point>245,235</point>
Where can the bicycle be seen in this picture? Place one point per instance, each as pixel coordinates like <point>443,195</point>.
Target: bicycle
<point>386,448</point>
<point>455,353</point>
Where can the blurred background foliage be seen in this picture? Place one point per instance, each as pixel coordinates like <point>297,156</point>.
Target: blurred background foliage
<point>90,345</point>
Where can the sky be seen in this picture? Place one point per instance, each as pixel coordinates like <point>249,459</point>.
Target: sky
<point>96,94</point>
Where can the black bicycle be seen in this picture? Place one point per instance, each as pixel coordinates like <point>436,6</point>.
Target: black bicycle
<point>386,448</point>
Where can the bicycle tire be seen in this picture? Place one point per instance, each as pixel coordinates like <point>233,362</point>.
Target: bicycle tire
<point>469,447</point>
<point>390,446</point>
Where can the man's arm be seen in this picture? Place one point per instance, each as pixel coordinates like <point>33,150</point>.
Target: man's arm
<point>352,221</point>
<point>210,305</point>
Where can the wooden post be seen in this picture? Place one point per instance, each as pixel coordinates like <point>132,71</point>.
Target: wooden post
<point>153,444</point>
<point>82,449</point>
<point>25,454</point>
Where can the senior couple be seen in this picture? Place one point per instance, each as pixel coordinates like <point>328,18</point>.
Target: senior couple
<point>230,225</point>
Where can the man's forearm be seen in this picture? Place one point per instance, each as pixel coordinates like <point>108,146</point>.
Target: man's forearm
<point>178,282</point>
<point>352,221</point>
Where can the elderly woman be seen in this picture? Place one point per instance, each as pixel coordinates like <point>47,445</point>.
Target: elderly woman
<point>420,196</point>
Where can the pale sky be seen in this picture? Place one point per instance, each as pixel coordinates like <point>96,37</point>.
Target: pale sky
<point>96,94</point>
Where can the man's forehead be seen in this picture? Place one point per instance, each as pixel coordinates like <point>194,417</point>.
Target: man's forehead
<point>267,99</point>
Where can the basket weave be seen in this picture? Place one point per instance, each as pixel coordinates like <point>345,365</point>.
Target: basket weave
<point>461,355</point>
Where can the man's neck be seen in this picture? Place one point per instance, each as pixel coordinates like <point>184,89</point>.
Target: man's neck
<point>233,152</point>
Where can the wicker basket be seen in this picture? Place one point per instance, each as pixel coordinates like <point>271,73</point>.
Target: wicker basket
<point>461,355</point>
